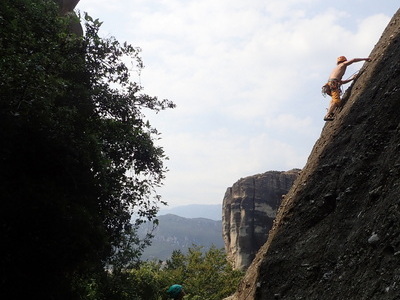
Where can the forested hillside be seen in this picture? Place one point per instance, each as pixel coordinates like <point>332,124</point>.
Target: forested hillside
<point>178,233</point>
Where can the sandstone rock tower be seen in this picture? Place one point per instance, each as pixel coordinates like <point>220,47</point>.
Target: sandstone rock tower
<point>249,208</point>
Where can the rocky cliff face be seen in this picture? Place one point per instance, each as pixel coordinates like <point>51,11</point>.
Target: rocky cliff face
<point>67,9</point>
<point>249,208</point>
<point>337,233</point>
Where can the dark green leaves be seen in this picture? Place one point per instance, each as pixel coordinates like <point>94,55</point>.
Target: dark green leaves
<point>77,156</point>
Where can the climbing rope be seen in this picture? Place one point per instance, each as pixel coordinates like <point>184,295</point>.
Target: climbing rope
<point>326,90</point>
<point>353,75</point>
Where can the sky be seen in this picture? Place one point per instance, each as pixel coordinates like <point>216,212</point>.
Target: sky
<point>246,78</point>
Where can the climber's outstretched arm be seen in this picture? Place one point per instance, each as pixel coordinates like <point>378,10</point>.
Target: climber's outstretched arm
<point>349,62</point>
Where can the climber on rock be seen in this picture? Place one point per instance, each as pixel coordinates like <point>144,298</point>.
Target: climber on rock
<point>335,81</point>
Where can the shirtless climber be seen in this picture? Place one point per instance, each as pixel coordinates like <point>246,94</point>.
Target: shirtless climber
<point>335,81</point>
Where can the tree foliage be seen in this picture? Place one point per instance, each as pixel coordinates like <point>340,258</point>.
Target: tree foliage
<point>204,275</point>
<point>78,157</point>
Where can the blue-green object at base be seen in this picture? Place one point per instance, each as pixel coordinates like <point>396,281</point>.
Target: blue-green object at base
<point>174,290</point>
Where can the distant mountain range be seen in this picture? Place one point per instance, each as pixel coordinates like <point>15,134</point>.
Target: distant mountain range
<point>208,211</point>
<point>179,233</point>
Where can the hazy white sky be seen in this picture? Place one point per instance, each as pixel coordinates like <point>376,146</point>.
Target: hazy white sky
<point>246,77</point>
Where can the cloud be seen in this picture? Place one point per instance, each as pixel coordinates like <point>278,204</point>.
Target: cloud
<point>211,65</point>
<point>245,76</point>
